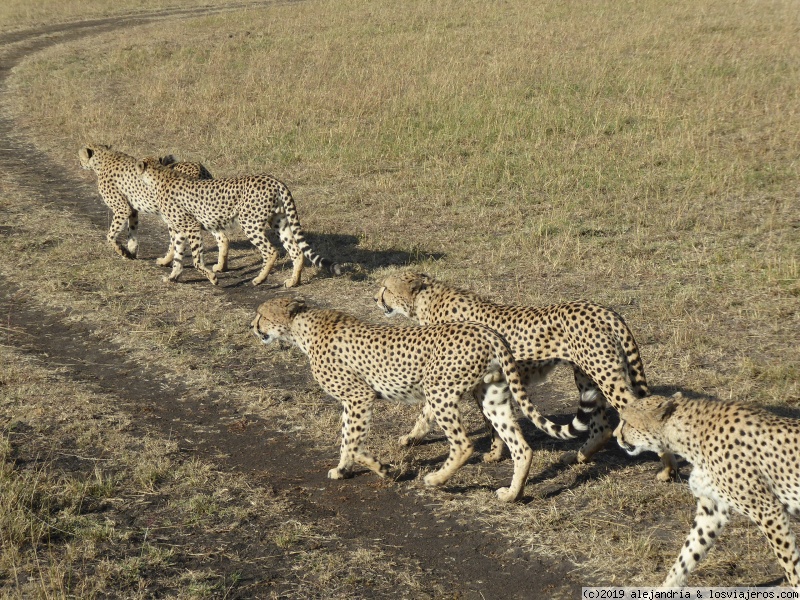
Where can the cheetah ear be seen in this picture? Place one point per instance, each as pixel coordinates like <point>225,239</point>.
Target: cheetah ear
<point>408,284</point>
<point>141,167</point>
<point>666,409</point>
<point>86,153</point>
<point>167,160</point>
<point>296,306</point>
<point>420,282</point>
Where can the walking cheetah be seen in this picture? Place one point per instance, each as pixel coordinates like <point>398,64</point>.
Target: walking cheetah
<point>257,202</point>
<point>124,193</point>
<point>744,459</point>
<point>593,339</point>
<point>358,363</point>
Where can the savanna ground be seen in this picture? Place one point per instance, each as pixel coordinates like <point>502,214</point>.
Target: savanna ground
<point>640,154</point>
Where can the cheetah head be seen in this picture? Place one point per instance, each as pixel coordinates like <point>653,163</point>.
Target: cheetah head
<point>398,292</point>
<point>88,155</point>
<point>273,320</point>
<point>641,425</point>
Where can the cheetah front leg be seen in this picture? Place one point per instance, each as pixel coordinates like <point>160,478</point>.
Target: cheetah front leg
<point>133,240</point>
<point>193,237</point>
<point>710,519</point>
<point>177,258</point>
<point>356,417</point>
<point>170,255</point>
<point>445,410</point>
<point>121,213</point>
<point>117,223</point>
<point>223,245</point>
<point>196,245</point>
<point>774,523</point>
<point>496,408</point>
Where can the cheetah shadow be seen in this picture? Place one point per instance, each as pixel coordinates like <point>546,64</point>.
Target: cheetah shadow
<point>557,477</point>
<point>356,262</point>
<point>547,482</point>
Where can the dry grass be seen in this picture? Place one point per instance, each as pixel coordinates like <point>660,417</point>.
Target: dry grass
<point>644,155</point>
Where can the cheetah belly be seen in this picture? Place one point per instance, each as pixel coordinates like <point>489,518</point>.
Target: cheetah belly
<point>406,393</point>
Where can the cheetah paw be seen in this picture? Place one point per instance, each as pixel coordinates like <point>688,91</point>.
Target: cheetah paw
<point>434,479</point>
<point>570,458</point>
<point>506,495</point>
<point>664,474</point>
<point>493,456</point>
<point>336,474</point>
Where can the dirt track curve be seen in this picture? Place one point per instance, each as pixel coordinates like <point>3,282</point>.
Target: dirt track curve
<point>465,560</point>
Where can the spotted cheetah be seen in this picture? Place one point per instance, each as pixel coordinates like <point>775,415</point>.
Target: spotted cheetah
<point>123,192</point>
<point>358,363</point>
<point>257,202</point>
<point>593,339</point>
<point>744,459</point>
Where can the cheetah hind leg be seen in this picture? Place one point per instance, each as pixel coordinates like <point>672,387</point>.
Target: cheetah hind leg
<point>269,254</point>
<point>497,409</point>
<point>495,453</point>
<point>116,226</point>
<point>421,427</point>
<point>591,416</point>
<point>294,251</point>
<point>599,433</point>
<point>445,409</point>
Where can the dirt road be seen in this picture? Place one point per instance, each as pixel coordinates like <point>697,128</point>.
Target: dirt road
<point>458,556</point>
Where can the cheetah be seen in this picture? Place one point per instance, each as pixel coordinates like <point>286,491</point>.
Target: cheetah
<point>358,363</point>
<point>744,459</point>
<point>124,193</point>
<point>593,339</point>
<point>257,202</point>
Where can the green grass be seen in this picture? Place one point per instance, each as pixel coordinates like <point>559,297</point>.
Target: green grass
<point>643,155</point>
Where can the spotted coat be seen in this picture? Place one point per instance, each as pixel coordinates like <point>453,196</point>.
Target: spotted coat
<point>743,458</point>
<point>123,191</point>
<point>256,202</point>
<point>358,363</point>
<point>592,339</point>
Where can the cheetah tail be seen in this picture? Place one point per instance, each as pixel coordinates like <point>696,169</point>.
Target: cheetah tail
<point>511,373</point>
<point>633,360</point>
<point>290,210</point>
<point>318,261</point>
